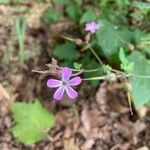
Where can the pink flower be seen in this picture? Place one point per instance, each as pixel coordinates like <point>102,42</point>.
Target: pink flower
<point>64,84</point>
<point>92,26</point>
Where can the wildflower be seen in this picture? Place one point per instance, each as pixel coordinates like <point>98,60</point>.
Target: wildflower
<point>64,84</point>
<point>92,26</point>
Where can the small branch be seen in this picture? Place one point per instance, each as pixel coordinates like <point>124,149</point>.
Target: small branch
<point>115,147</point>
<point>49,137</point>
<point>76,74</point>
<point>4,92</point>
<point>41,72</point>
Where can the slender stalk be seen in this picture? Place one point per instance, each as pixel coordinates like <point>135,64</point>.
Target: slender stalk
<point>117,71</point>
<point>41,72</point>
<point>141,76</point>
<point>95,78</point>
<point>124,41</point>
<point>84,70</point>
<point>78,73</point>
<point>67,38</point>
<point>96,56</point>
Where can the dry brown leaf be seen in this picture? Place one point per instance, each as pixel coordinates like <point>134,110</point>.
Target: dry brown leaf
<point>143,148</point>
<point>5,11</point>
<point>70,144</point>
<point>5,100</point>
<point>34,17</point>
<point>16,80</point>
<point>88,144</point>
<point>5,105</point>
<point>85,119</point>
<point>142,111</point>
<point>139,127</point>
<point>119,146</point>
<point>62,117</point>
<point>101,94</point>
<point>67,133</point>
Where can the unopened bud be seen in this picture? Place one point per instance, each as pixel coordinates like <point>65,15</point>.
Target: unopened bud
<point>88,38</point>
<point>78,42</point>
<point>111,77</point>
<point>131,47</point>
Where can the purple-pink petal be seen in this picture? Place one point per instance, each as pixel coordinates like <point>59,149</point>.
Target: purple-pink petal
<point>75,81</point>
<point>95,25</point>
<point>52,83</point>
<point>92,30</point>
<point>66,73</point>
<point>59,93</point>
<point>92,26</point>
<point>87,26</point>
<point>71,92</point>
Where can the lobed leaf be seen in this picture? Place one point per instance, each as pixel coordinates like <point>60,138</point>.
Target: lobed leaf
<point>32,122</point>
<point>110,39</point>
<point>66,51</point>
<point>140,81</point>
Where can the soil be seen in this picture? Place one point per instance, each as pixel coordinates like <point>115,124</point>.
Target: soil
<point>99,119</point>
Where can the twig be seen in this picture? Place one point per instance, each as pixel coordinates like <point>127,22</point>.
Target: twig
<point>4,92</point>
<point>41,72</point>
<point>115,147</point>
<point>49,137</point>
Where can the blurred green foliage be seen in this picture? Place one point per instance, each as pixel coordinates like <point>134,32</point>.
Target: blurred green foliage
<point>20,33</point>
<point>125,24</point>
<point>126,65</point>
<point>66,51</point>
<point>140,83</point>
<point>51,16</point>
<point>32,122</point>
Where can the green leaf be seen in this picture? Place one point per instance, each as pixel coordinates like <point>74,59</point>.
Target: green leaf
<point>78,2</point>
<point>125,64</point>
<point>20,32</point>
<point>61,1</point>
<point>122,56</point>
<point>51,16</point>
<point>110,39</point>
<point>107,69</point>
<point>65,51</point>
<point>140,85</point>
<point>144,43</point>
<point>142,5</point>
<point>77,65</point>
<point>32,121</point>
<point>123,3</point>
<point>73,10</point>
<point>107,39</point>
<point>88,16</point>
<point>68,63</point>
<point>4,1</point>
<point>89,63</point>
<point>137,34</point>
<point>138,16</point>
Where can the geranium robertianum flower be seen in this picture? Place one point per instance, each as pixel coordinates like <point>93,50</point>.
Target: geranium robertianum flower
<point>64,84</point>
<point>92,26</point>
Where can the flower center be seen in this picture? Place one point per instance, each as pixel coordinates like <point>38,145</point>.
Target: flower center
<point>64,83</point>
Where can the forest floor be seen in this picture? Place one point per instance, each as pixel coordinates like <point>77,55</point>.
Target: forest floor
<point>98,120</point>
